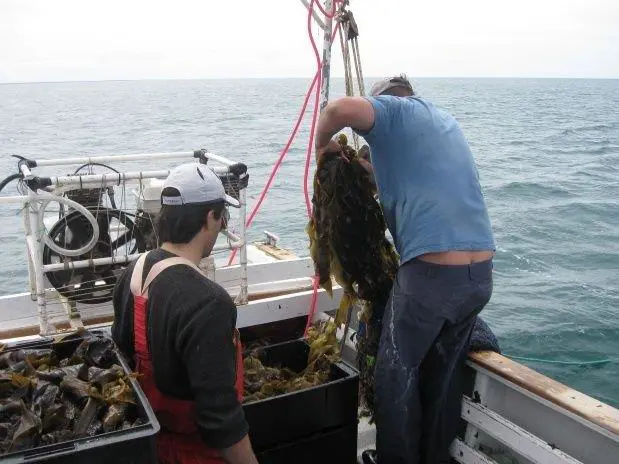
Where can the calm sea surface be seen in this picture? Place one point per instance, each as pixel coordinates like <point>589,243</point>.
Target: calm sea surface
<point>547,153</point>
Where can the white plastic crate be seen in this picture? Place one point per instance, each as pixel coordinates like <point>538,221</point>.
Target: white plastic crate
<point>149,199</point>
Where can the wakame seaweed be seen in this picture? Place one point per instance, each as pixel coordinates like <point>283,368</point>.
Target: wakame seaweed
<point>348,244</point>
<point>47,396</point>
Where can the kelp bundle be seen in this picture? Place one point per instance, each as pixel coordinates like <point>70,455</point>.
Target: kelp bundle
<point>264,381</point>
<point>49,395</point>
<point>348,244</point>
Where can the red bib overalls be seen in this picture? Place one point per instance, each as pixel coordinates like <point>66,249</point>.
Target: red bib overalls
<point>178,441</point>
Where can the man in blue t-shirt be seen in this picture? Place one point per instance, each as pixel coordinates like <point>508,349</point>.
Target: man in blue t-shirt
<point>428,188</point>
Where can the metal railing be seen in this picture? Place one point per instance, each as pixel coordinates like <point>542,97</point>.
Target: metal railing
<point>39,192</point>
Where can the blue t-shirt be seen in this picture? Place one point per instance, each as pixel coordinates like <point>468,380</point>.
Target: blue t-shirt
<point>427,181</point>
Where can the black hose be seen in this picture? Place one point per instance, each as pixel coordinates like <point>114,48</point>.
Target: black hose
<point>9,179</point>
<point>95,164</point>
<point>110,192</point>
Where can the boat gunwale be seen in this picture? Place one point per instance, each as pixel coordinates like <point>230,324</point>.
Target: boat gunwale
<point>560,395</point>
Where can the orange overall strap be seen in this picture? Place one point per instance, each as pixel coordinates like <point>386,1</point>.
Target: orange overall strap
<point>136,279</point>
<point>140,297</point>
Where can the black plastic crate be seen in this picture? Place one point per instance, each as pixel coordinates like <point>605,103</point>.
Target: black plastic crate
<point>135,445</point>
<point>283,420</point>
<point>337,446</point>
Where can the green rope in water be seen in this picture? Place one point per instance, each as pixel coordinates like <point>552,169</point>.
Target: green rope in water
<point>568,363</point>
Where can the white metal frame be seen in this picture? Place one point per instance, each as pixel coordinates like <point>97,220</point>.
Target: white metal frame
<point>529,424</point>
<point>512,436</point>
<point>34,229</point>
<point>465,454</point>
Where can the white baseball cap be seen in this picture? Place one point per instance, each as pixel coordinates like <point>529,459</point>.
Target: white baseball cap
<point>197,185</point>
<point>389,83</point>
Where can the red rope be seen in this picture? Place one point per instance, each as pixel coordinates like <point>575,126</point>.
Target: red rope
<point>324,12</point>
<point>278,162</point>
<point>308,204</point>
<point>310,316</point>
<point>310,142</point>
<point>314,87</point>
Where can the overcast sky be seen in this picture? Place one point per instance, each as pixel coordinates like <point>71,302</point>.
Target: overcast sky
<point>48,40</point>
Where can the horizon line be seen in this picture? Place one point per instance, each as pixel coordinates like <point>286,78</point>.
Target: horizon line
<point>237,78</point>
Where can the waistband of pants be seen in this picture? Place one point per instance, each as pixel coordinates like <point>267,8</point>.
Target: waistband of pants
<point>476,271</point>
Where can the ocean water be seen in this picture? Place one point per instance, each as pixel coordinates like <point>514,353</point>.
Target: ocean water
<point>547,152</point>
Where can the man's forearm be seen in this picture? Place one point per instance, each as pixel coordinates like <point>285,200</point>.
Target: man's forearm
<point>354,112</point>
<point>328,126</point>
<point>240,453</point>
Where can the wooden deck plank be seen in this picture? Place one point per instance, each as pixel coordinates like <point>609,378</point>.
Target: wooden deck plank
<point>274,251</point>
<point>561,395</point>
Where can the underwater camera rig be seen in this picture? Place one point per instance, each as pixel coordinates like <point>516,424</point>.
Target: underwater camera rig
<point>76,253</point>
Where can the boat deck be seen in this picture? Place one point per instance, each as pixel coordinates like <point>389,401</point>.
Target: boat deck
<point>510,413</point>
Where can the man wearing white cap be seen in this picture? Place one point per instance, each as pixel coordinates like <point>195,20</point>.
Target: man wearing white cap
<point>178,328</point>
<point>429,191</point>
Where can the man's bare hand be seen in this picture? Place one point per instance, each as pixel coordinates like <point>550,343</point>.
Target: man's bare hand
<point>332,147</point>
<point>240,453</point>
<point>367,166</point>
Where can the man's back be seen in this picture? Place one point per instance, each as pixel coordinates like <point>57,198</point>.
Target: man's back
<point>429,189</point>
<point>427,179</point>
<point>190,334</point>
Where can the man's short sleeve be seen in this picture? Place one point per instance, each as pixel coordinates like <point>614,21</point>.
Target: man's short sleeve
<point>385,106</point>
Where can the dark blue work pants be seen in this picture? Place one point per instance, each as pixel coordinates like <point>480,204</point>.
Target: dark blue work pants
<point>423,347</point>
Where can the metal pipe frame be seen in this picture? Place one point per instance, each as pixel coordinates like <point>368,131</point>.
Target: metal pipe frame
<point>122,259</point>
<point>315,15</point>
<point>110,179</point>
<point>232,236</point>
<point>25,170</point>
<point>236,242</point>
<point>29,258</point>
<point>130,157</point>
<point>14,199</point>
<point>242,296</point>
<point>34,230</point>
<point>35,242</point>
<point>326,58</point>
<point>84,263</point>
<point>229,246</point>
